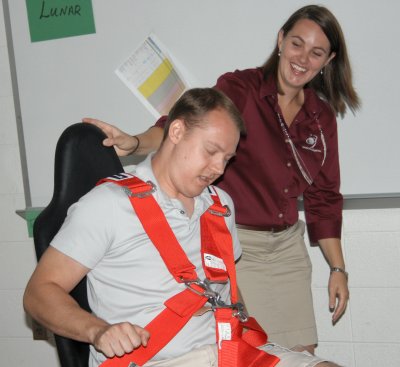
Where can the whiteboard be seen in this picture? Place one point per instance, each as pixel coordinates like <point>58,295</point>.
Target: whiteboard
<point>60,81</point>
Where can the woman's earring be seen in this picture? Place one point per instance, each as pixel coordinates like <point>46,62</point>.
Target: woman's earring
<point>279,53</point>
<point>322,72</point>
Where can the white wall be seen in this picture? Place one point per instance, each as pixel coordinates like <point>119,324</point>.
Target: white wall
<point>367,336</point>
<point>369,333</point>
<point>244,32</point>
<point>17,258</point>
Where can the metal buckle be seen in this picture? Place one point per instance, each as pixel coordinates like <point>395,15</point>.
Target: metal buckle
<point>227,212</point>
<point>237,307</point>
<point>214,298</point>
<point>240,314</point>
<point>142,194</point>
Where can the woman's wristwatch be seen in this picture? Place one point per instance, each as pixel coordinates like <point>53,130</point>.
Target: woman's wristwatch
<point>340,270</point>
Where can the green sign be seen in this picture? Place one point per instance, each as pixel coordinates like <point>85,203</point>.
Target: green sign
<point>51,19</point>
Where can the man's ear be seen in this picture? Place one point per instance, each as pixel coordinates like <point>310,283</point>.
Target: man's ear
<point>176,130</point>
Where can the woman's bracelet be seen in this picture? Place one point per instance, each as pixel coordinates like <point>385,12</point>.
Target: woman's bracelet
<point>340,270</point>
<point>137,145</point>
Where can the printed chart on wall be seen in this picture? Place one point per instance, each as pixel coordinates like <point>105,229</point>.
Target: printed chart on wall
<point>150,74</point>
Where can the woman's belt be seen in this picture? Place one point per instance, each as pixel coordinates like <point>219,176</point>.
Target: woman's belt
<point>274,229</point>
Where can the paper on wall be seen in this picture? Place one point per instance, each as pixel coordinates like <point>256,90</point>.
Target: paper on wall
<point>150,74</point>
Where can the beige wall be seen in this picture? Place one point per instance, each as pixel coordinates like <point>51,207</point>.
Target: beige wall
<point>367,336</point>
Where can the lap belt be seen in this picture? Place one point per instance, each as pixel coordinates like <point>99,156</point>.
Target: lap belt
<point>235,348</point>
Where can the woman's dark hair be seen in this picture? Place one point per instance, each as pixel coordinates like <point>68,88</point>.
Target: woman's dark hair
<point>195,103</point>
<point>335,84</point>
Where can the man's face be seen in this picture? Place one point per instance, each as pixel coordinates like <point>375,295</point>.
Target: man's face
<point>201,154</point>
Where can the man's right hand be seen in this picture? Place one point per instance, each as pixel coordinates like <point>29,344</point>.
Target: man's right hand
<point>124,144</point>
<point>119,339</point>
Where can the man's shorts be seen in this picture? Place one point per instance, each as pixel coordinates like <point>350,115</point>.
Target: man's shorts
<point>207,357</point>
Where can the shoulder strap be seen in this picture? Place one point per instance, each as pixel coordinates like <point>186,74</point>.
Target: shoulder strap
<point>215,233</point>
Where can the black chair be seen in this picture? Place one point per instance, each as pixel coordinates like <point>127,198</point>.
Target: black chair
<point>80,161</point>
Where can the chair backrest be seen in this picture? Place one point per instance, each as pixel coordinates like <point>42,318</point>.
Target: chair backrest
<point>81,161</point>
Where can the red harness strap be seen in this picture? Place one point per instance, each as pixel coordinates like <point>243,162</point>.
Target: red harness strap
<point>215,237</point>
<point>234,349</point>
<point>240,350</point>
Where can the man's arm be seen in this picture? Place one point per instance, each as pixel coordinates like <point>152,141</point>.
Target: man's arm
<point>48,301</point>
<point>125,144</point>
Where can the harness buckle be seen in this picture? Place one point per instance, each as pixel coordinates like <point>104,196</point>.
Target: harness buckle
<point>240,314</point>
<point>226,213</point>
<point>238,309</point>
<point>214,298</point>
<point>150,188</point>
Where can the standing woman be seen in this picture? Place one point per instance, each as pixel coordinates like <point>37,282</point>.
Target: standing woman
<point>290,151</point>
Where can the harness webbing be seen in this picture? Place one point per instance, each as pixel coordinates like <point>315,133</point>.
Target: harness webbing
<point>234,349</point>
<point>214,231</point>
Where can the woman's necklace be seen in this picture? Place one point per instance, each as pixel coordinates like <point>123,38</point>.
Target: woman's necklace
<point>299,161</point>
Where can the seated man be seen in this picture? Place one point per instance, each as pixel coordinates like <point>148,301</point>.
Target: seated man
<point>131,278</point>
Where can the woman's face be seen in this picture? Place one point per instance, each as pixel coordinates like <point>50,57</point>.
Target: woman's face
<point>305,50</point>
